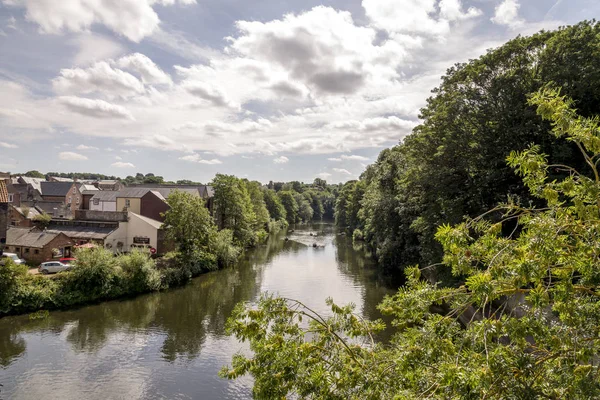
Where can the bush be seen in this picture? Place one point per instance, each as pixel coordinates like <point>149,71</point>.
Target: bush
<point>96,274</point>
<point>10,276</point>
<point>226,252</point>
<point>139,273</point>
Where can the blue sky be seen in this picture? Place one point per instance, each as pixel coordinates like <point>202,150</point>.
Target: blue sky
<point>269,90</point>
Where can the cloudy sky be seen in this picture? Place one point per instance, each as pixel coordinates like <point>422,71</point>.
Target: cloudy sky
<point>264,89</point>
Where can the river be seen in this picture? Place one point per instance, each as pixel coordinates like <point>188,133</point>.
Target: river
<point>171,345</point>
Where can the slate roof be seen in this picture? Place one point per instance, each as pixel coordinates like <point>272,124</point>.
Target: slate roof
<point>83,232</point>
<point>29,237</point>
<point>88,188</point>
<point>105,195</point>
<point>35,182</point>
<point>154,223</point>
<point>56,188</point>
<point>33,212</point>
<point>3,192</point>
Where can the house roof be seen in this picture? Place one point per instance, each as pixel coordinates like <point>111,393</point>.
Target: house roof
<point>60,179</point>
<point>83,232</point>
<point>105,195</point>
<point>50,207</point>
<point>107,182</point>
<point>35,182</point>
<point>88,188</point>
<point>29,237</point>
<point>31,213</point>
<point>3,192</point>
<point>154,223</point>
<point>56,188</point>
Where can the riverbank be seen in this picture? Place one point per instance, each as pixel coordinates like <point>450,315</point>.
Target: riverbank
<point>99,276</point>
<point>171,344</point>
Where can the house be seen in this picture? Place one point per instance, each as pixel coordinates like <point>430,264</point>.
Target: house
<point>87,192</point>
<point>3,214</point>
<point>22,216</point>
<point>82,232</point>
<point>110,185</point>
<point>138,233</point>
<point>35,182</point>
<point>66,192</point>
<point>36,246</point>
<point>147,202</point>
<point>104,200</point>
<point>22,193</point>
<point>56,209</point>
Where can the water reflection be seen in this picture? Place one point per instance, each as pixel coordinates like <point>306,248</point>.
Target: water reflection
<point>171,344</point>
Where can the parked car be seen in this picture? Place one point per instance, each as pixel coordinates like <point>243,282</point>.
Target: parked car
<point>52,267</point>
<point>15,258</point>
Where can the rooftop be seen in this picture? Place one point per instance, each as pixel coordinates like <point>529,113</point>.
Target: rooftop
<point>56,188</point>
<point>3,192</point>
<point>29,237</point>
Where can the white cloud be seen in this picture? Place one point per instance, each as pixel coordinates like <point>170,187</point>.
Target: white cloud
<point>208,92</point>
<point>93,47</point>
<point>134,19</point>
<point>281,160</point>
<point>507,13</point>
<point>197,159</point>
<point>342,171</point>
<point>84,147</point>
<point>334,159</point>
<point>118,158</point>
<point>426,17</point>
<point>120,164</point>
<point>95,108</point>
<point>324,175</point>
<point>99,78</point>
<point>144,67</point>
<point>8,145</point>
<point>70,156</point>
<point>354,157</point>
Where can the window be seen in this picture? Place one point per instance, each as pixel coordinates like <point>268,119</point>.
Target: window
<point>127,203</point>
<point>11,197</point>
<point>74,190</point>
<point>36,252</point>
<point>27,250</point>
<point>77,202</point>
<point>96,202</point>
<point>70,199</point>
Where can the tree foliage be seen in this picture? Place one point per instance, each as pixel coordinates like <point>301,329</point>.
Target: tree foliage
<point>452,164</point>
<point>524,325</point>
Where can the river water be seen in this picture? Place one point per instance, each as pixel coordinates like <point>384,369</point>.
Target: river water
<point>171,345</point>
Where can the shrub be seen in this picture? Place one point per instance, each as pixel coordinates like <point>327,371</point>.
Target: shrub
<point>224,249</point>
<point>357,236</point>
<point>139,273</point>
<point>10,276</point>
<point>96,274</point>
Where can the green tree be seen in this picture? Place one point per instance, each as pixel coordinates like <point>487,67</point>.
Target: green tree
<point>35,174</point>
<point>188,222</point>
<point>289,204</point>
<point>452,164</point>
<point>524,325</point>
<point>259,206</point>
<point>274,205</point>
<point>234,209</point>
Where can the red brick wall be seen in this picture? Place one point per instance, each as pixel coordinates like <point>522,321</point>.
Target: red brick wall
<point>152,207</point>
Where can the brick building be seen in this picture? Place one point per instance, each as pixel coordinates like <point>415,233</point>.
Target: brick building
<point>65,192</point>
<point>3,214</point>
<point>22,216</point>
<point>36,246</point>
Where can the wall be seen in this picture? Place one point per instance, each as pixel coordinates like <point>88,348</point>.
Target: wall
<point>103,206</point>
<point>151,207</point>
<point>127,231</point>
<point>135,204</point>
<point>3,223</point>
<point>15,218</point>
<point>94,215</point>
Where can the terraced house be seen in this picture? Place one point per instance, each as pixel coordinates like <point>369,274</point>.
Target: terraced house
<point>64,192</point>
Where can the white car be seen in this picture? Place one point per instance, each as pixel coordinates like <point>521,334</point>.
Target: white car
<point>15,258</point>
<point>52,267</point>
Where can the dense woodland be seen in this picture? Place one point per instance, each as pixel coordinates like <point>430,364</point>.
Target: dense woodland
<point>491,209</point>
<point>453,165</point>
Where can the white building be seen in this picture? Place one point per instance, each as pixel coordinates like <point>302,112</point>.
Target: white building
<point>104,200</point>
<point>138,232</point>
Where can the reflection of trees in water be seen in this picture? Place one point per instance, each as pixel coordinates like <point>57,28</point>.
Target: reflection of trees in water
<point>355,264</point>
<point>185,315</point>
<point>12,345</point>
